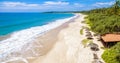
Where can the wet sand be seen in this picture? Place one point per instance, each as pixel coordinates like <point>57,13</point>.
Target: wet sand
<point>60,45</point>
<point>68,47</point>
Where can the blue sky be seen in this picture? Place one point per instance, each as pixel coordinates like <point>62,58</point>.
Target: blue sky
<point>51,5</point>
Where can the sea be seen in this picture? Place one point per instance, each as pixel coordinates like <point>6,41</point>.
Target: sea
<point>22,28</point>
<point>12,22</point>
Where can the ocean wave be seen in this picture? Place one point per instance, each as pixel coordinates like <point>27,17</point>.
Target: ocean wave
<point>18,40</point>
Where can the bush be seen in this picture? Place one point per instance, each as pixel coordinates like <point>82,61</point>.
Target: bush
<point>81,31</point>
<point>104,20</point>
<point>112,55</point>
<point>103,24</point>
<point>85,41</point>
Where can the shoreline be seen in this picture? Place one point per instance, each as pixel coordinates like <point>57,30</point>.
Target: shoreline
<point>51,32</point>
<point>69,48</point>
<point>54,33</point>
<point>59,48</point>
<point>60,45</point>
<point>7,36</point>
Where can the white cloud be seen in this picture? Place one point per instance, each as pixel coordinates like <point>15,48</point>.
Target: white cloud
<point>98,4</point>
<point>78,5</point>
<point>56,3</point>
<point>15,4</point>
<point>45,6</point>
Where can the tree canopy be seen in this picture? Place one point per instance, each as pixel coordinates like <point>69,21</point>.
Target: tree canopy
<point>112,55</point>
<point>104,20</point>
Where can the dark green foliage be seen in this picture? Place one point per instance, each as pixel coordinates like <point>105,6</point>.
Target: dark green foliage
<point>104,20</point>
<point>112,55</point>
<point>102,24</point>
<point>118,57</point>
<point>113,10</point>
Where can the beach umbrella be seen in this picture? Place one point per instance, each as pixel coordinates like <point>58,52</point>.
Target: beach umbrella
<point>87,29</point>
<point>98,37</point>
<point>97,61</point>
<point>93,46</point>
<point>89,37</point>
<point>88,34</point>
<point>95,56</point>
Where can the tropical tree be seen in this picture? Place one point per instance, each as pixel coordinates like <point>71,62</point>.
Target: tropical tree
<point>118,2</point>
<point>116,7</point>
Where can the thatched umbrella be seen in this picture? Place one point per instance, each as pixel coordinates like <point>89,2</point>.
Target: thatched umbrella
<point>97,61</point>
<point>98,37</point>
<point>95,56</point>
<point>88,32</point>
<point>86,29</point>
<point>89,37</point>
<point>93,46</point>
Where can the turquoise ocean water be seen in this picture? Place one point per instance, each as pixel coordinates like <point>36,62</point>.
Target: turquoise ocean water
<point>11,22</point>
<point>23,29</point>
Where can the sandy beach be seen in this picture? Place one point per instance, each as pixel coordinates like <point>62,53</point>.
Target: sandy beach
<point>61,45</point>
<point>65,45</point>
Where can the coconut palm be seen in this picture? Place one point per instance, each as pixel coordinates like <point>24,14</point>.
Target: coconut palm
<point>118,2</point>
<point>116,6</point>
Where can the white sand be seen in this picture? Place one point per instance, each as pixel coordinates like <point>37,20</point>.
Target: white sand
<point>68,47</point>
<point>63,45</point>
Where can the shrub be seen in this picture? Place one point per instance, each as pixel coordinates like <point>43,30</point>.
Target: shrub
<point>112,55</point>
<point>81,31</point>
<point>85,41</point>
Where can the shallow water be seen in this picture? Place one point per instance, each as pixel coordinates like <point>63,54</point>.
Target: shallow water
<point>10,49</point>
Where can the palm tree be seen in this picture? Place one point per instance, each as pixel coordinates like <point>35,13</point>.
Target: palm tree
<point>118,2</point>
<point>116,7</point>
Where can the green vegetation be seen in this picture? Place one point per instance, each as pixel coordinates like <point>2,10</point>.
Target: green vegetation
<point>103,21</point>
<point>112,55</point>
<point>103,48</point>
<point>85,41</point>
<point>103,24</point>
<point>81,31</point>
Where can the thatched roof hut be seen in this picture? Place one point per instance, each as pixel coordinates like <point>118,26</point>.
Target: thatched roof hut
<point>110,39</point>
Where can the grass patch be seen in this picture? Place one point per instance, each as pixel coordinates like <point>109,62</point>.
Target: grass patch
<point>81,31</point>
<point>85,41</point>
<point>103,48</point>
<point>90,41</point>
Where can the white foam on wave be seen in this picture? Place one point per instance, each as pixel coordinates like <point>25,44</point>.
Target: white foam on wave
<point>20,38</point>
